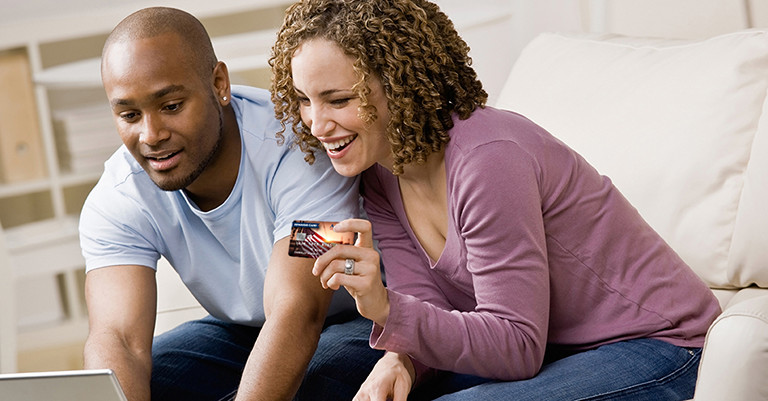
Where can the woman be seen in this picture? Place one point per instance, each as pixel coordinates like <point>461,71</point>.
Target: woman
<point>508,257</point>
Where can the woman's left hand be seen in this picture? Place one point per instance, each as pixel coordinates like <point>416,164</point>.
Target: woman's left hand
<point>390,379</point>
<point>364,284</point>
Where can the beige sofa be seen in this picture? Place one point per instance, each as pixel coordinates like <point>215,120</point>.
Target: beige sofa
<point>681,127</point>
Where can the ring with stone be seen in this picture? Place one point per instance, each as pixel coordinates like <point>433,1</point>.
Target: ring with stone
<point>349,266</point>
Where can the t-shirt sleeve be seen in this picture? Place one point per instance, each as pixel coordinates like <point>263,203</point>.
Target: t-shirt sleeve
<point>300,191</point>
<point>497,203</point>
<point>115,232</point>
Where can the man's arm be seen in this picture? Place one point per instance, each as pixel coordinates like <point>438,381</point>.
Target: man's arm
<point>295,305</point>
<point>122,303</point>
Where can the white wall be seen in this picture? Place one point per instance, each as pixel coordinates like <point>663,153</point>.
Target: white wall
<point>676,18</point>
<point>496,30</point>
<point>508,25</point>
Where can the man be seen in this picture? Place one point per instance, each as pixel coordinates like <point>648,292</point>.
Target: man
<point>202,181</point>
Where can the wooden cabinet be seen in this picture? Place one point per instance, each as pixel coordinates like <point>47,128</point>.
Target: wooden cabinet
<point>21,150</point>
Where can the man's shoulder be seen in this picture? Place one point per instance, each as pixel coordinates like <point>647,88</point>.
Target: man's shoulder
<point>260,127</point>
<point>258,96</point>
<point>120,168</point>
<point>255,106</point>
<point>257,114</point>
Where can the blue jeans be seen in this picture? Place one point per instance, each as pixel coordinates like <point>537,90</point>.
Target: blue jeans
<point>636,370</point>
<point>204,359</point>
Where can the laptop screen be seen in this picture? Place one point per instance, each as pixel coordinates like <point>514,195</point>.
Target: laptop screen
<point>74,385</point>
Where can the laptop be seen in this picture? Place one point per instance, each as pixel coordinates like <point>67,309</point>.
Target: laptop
<point>72,385</point>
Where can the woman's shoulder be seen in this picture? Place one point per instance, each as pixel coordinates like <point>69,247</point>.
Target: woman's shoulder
<point>490,116</point>
<point>379,178</point>
<point>490,125</point>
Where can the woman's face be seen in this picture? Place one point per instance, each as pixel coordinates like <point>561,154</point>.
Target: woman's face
<point>323,78</point>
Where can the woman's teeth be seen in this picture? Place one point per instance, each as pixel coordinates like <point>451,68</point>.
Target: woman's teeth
<point>340,144</point>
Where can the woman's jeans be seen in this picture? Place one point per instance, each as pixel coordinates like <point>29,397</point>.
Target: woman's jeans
<point>636,370</point>
<point>204,359</point>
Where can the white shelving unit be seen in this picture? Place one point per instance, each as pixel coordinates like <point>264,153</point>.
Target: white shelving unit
<point>43,244</point>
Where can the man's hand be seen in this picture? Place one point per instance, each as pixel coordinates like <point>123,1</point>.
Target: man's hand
<point>390,379</point>
<point>295,305</point>
<point>122,301</point>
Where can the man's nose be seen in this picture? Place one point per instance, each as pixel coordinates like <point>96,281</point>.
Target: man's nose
<point>153,130</point>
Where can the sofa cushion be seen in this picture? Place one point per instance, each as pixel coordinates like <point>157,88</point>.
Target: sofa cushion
<point>748,259</point>
<point>671,122</point>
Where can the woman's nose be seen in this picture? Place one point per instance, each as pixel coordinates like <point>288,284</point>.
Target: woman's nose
<point>321,123</point>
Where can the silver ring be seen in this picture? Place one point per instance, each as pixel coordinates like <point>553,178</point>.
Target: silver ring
<point>349,266</point>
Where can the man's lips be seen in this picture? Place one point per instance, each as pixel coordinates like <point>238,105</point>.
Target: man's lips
<point>164,161</point>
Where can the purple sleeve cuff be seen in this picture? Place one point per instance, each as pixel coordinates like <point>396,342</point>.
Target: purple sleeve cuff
<point>381,337</point>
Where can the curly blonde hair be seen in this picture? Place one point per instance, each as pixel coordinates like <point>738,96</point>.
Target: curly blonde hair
<point>410,44</point>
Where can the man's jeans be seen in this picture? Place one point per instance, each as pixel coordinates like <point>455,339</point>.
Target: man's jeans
<point>635,370</point>
<point>204,359</point>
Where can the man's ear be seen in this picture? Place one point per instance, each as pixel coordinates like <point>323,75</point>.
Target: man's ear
<point>220,83</point>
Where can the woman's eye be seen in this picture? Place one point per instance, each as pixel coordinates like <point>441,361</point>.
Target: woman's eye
<point>340,102</point>
<point>303,101</point>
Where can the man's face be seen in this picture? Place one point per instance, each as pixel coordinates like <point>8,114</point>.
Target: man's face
<point>166,115</point>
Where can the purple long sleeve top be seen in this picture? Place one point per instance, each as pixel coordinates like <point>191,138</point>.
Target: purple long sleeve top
<point>540,249</point>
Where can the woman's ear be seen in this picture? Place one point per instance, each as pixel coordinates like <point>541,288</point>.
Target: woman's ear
<point>220,83</point>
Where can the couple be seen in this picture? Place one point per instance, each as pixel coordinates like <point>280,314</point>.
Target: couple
<point>514,270</point>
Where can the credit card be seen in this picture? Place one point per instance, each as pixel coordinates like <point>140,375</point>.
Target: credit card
<point>310,239</point>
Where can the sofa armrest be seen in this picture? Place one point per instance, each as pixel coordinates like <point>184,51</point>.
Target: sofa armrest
<point>735,356</point>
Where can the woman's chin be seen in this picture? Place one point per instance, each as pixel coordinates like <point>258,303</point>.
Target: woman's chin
<point>345,169</point>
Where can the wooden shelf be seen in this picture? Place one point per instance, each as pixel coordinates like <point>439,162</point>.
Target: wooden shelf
<point>21,188</point>
<point>66,180</point>
<point>84,73</point>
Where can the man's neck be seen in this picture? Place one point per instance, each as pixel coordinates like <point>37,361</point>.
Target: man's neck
<point>215,183</point>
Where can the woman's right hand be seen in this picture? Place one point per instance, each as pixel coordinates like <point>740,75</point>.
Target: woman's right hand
<point>364,284</point>
<point>390,379</point>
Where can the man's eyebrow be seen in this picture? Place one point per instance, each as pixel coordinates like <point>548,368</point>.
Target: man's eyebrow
<point>157,95</point>
<point>168,90</point>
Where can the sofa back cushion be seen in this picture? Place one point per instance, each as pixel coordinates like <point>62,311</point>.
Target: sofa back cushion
<point>672,123</point>
<point>748,259</point>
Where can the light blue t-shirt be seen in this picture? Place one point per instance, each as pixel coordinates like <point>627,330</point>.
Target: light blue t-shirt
<point>221,255</point>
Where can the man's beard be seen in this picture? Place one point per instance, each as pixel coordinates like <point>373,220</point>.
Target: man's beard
<point>184,182</point>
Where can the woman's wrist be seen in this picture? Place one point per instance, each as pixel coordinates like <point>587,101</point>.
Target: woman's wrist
<point>381,318</point>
